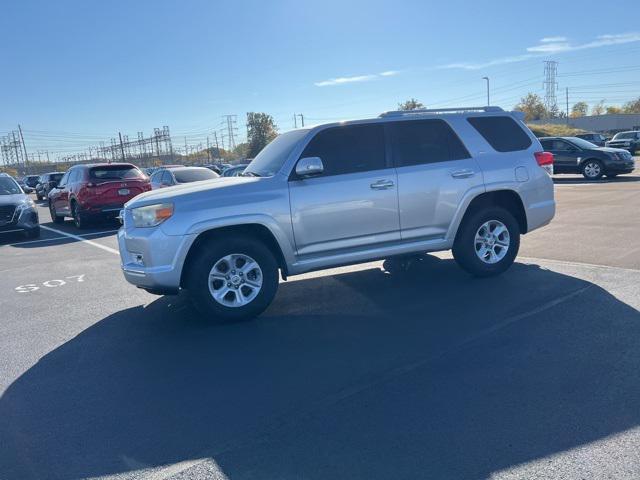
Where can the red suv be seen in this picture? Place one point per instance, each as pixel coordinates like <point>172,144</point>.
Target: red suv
<point>100,190</point>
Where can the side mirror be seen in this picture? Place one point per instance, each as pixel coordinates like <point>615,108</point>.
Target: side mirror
<point>309,166</point>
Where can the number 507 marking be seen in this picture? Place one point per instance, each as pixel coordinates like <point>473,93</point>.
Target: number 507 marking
<point>32,287</point>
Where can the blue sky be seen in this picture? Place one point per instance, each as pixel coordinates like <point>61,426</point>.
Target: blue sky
<point>76,72</point>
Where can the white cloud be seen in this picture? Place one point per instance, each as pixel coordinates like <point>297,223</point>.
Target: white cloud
<point>549,46</point>
<point>356,78</point>
<point>560,46</point>
<point>553,39</point>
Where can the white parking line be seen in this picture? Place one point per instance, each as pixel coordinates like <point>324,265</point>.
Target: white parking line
<point>80,239</point>
<point>42,240</point>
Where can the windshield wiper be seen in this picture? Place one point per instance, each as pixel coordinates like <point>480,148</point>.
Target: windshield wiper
<point>249,174</point>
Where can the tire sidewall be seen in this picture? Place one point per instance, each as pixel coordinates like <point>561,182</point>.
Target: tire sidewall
<point>197,280</point>
<point>464,245</point>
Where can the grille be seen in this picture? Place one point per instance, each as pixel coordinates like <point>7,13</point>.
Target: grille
<point>6,213</point>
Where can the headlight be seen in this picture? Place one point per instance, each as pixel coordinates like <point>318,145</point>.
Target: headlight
<point>151,215</point>
<point>26,205</point>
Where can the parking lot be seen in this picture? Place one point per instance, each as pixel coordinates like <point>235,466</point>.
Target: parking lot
<point>356,372</point>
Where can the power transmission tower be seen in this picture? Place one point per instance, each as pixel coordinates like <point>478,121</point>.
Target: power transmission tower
<point>231,131</point>
<point>550,85</point>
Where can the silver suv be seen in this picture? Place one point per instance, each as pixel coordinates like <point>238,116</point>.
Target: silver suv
<point>468,179</point>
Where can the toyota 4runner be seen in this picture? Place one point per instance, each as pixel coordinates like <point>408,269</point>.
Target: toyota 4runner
<point>467,179</point>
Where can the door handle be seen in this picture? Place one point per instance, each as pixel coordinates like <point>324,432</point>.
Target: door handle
<point>466,173</point>
<point>382,185</point>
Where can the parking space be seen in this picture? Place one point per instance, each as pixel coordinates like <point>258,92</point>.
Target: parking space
<point>529,374</point>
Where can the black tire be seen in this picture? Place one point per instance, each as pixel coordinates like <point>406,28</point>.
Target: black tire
<point>39,197</point>
<point>464,247</point>
<point>54,217</point>
<point>594,165</point>
<point>197,278</point>
<point>79,220</point>
<point>33,233</point>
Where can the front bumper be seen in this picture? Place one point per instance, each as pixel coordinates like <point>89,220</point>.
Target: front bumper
<point>22,220</point>
<point>151,259</point>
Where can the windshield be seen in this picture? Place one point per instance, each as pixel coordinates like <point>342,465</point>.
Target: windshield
<point>194,175</point>
<point>271,158</point>
<point>623,135</point>
<point>116,172</point>
<point>579,142</point>
<point>8,186</point>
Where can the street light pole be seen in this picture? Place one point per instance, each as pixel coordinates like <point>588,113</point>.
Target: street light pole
<point>488,99</point>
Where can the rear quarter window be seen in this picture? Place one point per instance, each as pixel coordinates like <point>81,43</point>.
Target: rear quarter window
<point>502,133</point>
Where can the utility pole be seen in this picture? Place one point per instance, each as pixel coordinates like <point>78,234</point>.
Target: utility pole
<point>24,147</point>
<point>15,147</point>
<point>186,152</point>
<point>215,137</point>
<point>208,150</point>
<point>295,120</point>
<point>488,98</point>
<point>48,161</point>
<point>566,90</point>
<point>301,119</point>
<point>550,85</point>
<point>121,146</point>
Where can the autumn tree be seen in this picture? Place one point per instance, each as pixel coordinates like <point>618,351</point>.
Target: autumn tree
<point>598,108</point>
<point>633,106</point>
<point>532,107</point>
<point>261,129</point>
<point>411,104</point>
<point>579,109</point>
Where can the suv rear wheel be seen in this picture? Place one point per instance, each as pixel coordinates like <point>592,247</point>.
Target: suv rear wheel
<point>487,242</point>
<point>78,219</point>
<point>233,278</point>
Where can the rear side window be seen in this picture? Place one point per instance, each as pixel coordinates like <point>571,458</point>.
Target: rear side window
<point>115,172</point>
<point>418,142</point>
<point>194,175</point>
<point>502,133</point>
<point>349,149</point>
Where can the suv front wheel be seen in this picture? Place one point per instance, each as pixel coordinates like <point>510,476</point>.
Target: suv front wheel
<point>487,242</point>
<point>234,278</point>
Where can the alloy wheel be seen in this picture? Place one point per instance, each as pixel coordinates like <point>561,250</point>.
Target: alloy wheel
<point>492,241</point>
<point>592,169</point>
<point>235,280</point>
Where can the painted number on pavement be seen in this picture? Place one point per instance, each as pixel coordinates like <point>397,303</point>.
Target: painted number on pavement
<point>32,287</point>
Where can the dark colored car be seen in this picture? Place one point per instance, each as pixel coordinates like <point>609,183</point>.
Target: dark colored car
<point>46,182</point>
<point>628,140</point>
<point>96,191</point>
<point>595,138</point>
<point>31,180</point>
<point>167,177</point>
<point>17,210</point>
<point>234,171</point>
<point>575,155</point>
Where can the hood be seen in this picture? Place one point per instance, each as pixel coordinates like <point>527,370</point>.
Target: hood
<point>610,150</point>
<point>215,185</point>
<point>13,199</point>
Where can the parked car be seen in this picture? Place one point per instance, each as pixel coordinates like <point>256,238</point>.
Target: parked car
<point>575,155</point>
<point>23,185</point>
<point>46,182</point>
<point>31,180</point>
<point>628,140</point>
<point>234,171</point>
<point>472,180</point>
<point>595,138</point>
<point>17,210</point>
<point>95,191</point>
<point>168,177</point>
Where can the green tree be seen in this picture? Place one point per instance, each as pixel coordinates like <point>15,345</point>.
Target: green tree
<point>532,107</point>
<point>411,104</point>
<point>633,106</point>
<point>579,109</point>
<point>261,129</point>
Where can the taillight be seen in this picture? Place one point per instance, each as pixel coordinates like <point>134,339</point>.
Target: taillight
<point>545,160</point>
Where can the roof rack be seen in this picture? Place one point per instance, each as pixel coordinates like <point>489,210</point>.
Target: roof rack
<point>400,113</point>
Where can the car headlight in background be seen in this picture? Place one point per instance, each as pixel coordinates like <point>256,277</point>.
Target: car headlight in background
<point>151,215</point>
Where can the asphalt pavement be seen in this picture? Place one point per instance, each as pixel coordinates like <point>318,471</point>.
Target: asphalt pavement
<point>356,372</point>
